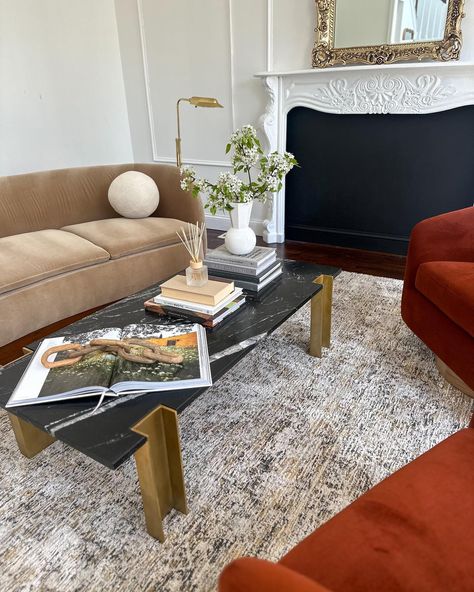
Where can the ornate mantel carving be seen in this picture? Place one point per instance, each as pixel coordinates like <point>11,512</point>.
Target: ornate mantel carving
<point>398,89</point>
<point>383,94</point>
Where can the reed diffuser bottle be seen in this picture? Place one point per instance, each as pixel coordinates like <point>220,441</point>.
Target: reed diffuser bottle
<point>191,237</point>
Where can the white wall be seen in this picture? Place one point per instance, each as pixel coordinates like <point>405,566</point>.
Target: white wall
<point>70,86</point>
<point>210,47</point>
<point>62,96</point>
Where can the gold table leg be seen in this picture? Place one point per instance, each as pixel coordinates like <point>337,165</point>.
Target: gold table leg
<point>30,439</point>
<point>160,468</point>
<point>321,314</point>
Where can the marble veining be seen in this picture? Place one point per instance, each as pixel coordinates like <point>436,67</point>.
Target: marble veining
<point>106,435</point>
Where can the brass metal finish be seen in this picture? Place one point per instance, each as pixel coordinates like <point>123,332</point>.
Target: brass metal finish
<point>321,316</point>
<point>326,54</point>
<point>453,378</point>
<point>208,102</point>
<point>30,439</point>
<point>160,468</point>
<point>316,335</point>
<point>327,283</point>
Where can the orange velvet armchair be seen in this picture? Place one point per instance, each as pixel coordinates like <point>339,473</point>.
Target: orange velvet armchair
<point>438,292</point>
<point>411,532</point>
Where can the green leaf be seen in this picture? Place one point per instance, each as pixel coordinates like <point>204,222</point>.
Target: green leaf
<point>227,148</point>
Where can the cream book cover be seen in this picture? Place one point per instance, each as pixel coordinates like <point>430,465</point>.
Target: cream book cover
<point>211,293</point>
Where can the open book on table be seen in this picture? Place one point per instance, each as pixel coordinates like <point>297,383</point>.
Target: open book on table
<point>101,373</point>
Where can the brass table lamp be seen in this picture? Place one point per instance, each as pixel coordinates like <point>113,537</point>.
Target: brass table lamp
<point>197,102</point>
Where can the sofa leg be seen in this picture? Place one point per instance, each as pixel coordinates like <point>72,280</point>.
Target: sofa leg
<point>453,378</point>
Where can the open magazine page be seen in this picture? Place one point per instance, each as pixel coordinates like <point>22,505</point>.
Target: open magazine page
<point>88,376</point>
<point>187,341</point>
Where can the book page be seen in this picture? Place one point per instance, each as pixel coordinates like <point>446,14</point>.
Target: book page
<point>181,339</point>
<point>92,373</point>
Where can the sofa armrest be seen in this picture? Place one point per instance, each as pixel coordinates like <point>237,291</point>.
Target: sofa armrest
<point>174,202</point>
<point>448,237</point>
<point>256,575</point>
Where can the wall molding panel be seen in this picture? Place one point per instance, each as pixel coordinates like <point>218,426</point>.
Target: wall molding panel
<point>270,40</point>
<point>156,156</point>
<point>151,122</point>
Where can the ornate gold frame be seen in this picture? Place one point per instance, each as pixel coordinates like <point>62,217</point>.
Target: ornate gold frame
<point>325,54</point>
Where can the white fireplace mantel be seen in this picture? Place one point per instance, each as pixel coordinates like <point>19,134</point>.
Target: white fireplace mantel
<point>397,88</point>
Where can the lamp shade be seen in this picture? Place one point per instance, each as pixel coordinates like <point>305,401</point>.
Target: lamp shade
<point>204,102</point>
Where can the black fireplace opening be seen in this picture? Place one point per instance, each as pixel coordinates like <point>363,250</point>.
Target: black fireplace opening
<point>365,180</point>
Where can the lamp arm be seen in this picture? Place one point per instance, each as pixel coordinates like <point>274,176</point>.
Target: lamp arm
<point>178,139</point>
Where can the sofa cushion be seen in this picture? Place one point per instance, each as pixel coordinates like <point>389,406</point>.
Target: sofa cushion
<point>33,256</point>
<point>449,286</point>
<point>125,236</point>
<point>413,531</point>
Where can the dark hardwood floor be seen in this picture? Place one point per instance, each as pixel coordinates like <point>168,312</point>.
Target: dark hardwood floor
<point>369,262</point>
<point>379,264</point>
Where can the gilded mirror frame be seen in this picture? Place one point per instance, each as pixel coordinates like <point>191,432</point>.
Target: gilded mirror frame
<point>326,54</point>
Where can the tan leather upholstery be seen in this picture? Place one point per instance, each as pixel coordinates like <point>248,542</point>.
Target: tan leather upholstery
<point>47,274</point>
<point>124,236</point>
<point>35,256</point>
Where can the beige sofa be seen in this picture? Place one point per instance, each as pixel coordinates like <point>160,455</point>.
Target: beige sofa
<point>64,250</point>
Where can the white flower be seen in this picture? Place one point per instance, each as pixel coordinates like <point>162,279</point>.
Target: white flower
<point>188,176</point>
<point>186,170</point>
<point>244,133</point>
<point>248,156</point>
<point>281,163</point>
<point>230,183</point>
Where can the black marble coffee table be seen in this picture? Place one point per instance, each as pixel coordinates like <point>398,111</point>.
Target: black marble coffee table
<point>146,425</point>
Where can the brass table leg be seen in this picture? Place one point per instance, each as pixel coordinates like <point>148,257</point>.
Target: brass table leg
<point>316,335</point>
<point>321,313</point>
<point>30,439</point>
<point>160,468</point>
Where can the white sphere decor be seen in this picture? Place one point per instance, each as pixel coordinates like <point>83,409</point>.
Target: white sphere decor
<point>134,195</point>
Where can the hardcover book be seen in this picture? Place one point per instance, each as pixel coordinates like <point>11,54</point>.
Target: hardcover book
<point>206,320</point>
<point>195,307</point>
<point>257,286</point>
<point>238,278</point>
<point>254,259</point>
<point>210,294</point>
<point>104,374</point>
<point>240,268</point>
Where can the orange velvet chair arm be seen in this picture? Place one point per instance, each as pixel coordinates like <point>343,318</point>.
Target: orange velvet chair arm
<point>256,575</point>
<point>449,237</point>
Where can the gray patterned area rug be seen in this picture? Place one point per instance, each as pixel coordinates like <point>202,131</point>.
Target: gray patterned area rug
<point>278,446</point>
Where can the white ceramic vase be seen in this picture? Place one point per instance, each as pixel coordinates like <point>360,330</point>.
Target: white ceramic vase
<point>240,239</point>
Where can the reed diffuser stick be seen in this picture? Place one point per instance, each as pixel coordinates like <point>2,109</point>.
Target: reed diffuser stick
<point>192,239</point>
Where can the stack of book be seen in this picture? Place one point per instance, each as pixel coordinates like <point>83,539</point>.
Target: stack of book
<point>251,272</point>
<point>208,305</point>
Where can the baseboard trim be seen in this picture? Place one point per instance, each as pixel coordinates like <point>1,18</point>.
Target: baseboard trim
<point>385,243</point>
